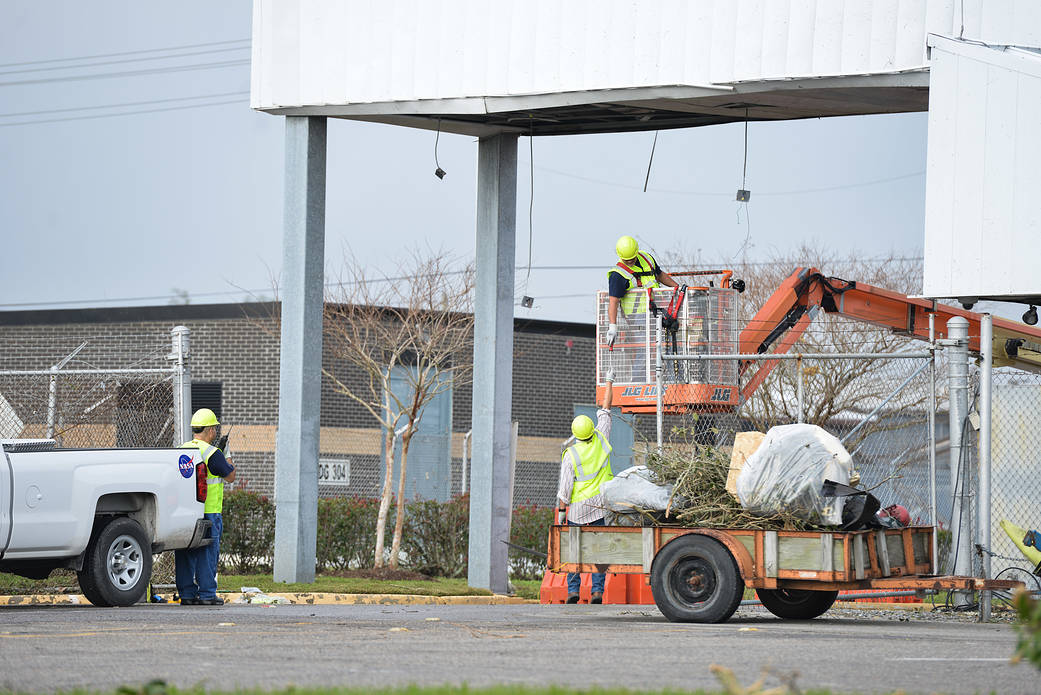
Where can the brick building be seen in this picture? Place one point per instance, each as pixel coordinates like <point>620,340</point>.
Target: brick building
<point>235,370</point>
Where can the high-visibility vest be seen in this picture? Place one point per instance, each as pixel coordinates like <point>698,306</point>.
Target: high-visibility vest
<point>214,483</point>
<point>639,275</point>
<point>591,465</point>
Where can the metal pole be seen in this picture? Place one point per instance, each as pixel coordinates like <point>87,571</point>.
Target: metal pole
<point>52,396</point>
<point>52,402</point>
<point>932,437</point>
<point>885,402</point>
<point>799,396</point>
<point>300,364</point>
<point>957,374</point>
<point>919,355</point>
<point>493,361</point>
<point>182,387</point>
<point>659,400</point>
<point>983,534</point>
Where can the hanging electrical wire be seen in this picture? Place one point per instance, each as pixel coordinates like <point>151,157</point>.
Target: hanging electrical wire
<point>650,161</point>
<point>438,171</point>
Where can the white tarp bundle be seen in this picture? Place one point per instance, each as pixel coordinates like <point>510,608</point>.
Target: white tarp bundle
<point>635,487</point>
<point>786,472</point>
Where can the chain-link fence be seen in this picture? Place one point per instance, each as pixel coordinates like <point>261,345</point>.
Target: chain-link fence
<point>877,405</point>
<point>83,406</point>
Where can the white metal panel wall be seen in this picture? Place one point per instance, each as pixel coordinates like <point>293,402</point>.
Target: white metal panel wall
<point>982,218</point>
<point>318,52</point>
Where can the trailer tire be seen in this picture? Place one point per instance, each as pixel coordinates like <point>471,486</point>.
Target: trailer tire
<point>117,565</point>
<point>695,579</point>
<point>796,604</point>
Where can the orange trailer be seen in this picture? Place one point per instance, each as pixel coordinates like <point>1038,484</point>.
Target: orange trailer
<point>699,574</point>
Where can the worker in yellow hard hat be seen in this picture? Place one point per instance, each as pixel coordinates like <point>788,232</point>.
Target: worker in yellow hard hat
<point>584,467</point>
<point>635,269</point>
<point>196,568</point>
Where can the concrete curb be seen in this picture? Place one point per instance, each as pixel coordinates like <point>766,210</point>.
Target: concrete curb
<point>313,599</point>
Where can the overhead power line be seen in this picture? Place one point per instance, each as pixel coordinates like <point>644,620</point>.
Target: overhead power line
<point>713,194</point>
<point>124,113</point>
<point>122,53</point>
<point>343,284</point>
<point>130,73</point>
<point>121,61</point>
<point>122,105</point>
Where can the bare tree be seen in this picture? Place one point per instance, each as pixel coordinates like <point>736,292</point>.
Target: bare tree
<point>838,387</point>
<point>418,325</point>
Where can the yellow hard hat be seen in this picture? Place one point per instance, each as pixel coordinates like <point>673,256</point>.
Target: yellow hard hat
<point>626,248</point>
<point>582,427</point>
<point>204,417</point>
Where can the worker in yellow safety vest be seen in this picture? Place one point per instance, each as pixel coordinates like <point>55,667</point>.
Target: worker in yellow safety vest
<point>635,269</point>
<point>584,467</point>
<point>196,568</point>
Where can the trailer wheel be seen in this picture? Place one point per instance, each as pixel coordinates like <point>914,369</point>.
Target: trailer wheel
<point>117,565</point>
<point>796,604</point>
<point>695,579</point>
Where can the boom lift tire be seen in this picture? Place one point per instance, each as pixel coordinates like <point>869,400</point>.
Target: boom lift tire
<point>796,604</point>
<point>695,579</point>
<point>117,565</point>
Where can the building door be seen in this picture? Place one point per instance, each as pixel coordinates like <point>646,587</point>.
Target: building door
<point>429,472</point>
<point>621,436</point>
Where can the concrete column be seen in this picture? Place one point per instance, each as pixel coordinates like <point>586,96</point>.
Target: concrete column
<point>299,391</point>
<point>490,504</point>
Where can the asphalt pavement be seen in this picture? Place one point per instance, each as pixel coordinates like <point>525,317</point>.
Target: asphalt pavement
<point>49,648</point>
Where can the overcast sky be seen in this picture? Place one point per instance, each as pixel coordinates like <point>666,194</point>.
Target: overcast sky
<point>183,193</point>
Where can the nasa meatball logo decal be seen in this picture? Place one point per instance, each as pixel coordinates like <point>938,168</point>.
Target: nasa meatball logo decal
<point>185,465</point>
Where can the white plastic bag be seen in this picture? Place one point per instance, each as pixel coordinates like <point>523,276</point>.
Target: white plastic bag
<point>787,470</point>
<point>635,487</point>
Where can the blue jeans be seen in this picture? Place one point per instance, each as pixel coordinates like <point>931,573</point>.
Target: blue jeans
<point>196,569</point>
<point>574,579</point>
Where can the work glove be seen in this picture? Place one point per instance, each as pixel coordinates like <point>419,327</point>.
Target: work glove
<point>609,377</point>
<point>612,333</point>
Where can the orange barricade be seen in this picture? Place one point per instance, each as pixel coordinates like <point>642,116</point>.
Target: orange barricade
<point>618,588</point>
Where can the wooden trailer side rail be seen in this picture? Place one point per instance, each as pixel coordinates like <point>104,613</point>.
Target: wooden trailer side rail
<point>766,559</point>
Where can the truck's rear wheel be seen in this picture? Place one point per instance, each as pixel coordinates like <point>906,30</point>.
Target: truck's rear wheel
<point>117,565</point>
<point>695,579</point>
<point>796,604</point>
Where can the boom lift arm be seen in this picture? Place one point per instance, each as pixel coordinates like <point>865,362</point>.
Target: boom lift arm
<point>788,312</point>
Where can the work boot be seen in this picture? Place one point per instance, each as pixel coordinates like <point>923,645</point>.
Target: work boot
<point>572,598</point>
<point>189,601</point>
<point>597,597</point>
<point>211,602</point>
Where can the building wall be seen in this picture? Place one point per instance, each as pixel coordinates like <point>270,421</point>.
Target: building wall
<point>238,346</point>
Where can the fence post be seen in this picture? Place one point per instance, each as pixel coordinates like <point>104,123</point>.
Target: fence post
<point>983,533</point>
<point>958,371</point>
<point>182,392</point>
<point>52,394</point>
<point>932,439</point>
<point>799,393</point>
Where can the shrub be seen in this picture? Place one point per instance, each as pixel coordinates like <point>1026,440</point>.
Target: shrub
<point>436,536</point>
<point>347,532</point>
<point>248,541</point>
<point>1029,645</point>
<point>529,529</point>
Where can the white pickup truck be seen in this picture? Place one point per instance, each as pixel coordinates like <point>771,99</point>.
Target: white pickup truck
<point>101,512</point>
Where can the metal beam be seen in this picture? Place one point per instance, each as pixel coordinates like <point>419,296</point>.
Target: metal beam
<point>299,391</point>
<point>490,505</point>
